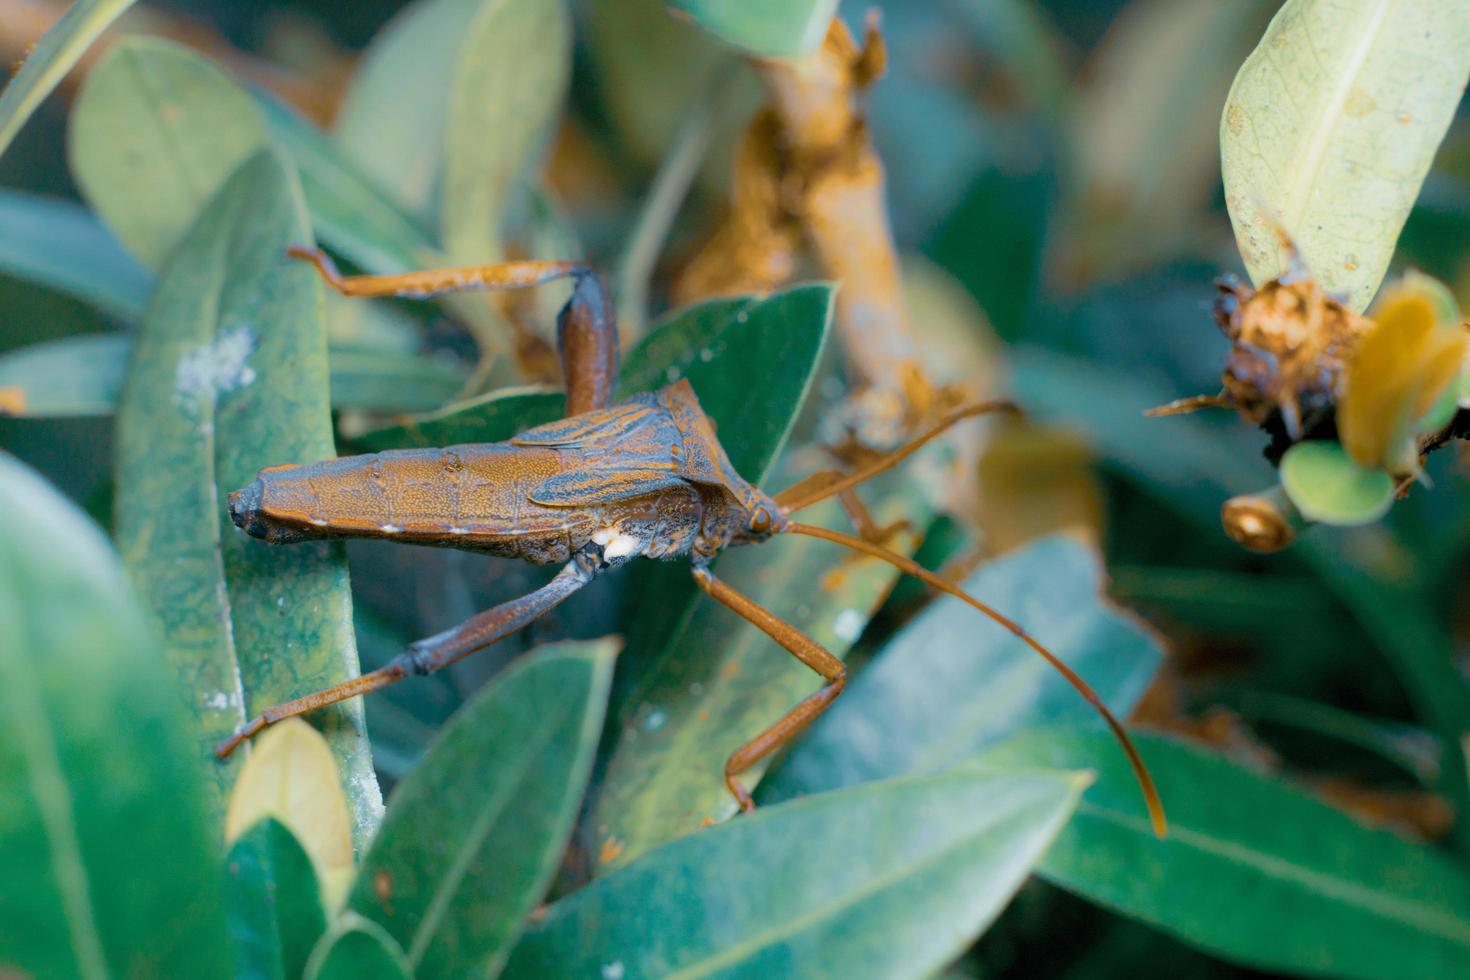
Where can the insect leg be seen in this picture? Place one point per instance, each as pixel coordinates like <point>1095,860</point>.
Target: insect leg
<point>427,656</point>
<point>803,648</point>
<point>586,329</point>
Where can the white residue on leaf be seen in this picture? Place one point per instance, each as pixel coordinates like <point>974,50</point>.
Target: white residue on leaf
<point>613,970</point>
<point>220,701</point>
<point>656,719</point>
<point>212,369</point>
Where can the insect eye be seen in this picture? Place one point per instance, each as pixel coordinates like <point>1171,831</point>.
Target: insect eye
<point>760,521</point>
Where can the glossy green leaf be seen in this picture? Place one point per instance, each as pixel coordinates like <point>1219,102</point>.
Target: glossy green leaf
<point>110,865</point>
<point>766,28</point>
<point>1253,869</point>
<point>514,66</point>
<point>54,56</point>
<point>58,244</point>
<point>950,683</point>
<point>1326,485</point>
<point>394,116</point>
<point>1330,127</point>
<point>490,418</point>
<point>154,133</point>
<point>349,209</point>
<point>83,376</point>
<point>889,879</point>
<point>273,903</point>
<point>750,361</point>
<point>358,949</point>
<point>460,862</point>
<point>229,376</point>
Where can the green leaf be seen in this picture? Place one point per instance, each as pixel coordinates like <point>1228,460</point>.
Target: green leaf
<point>348,207</point>
<point>1330,127</point>
<point>766,28</point>
<point>110,867</point>
<point>889,879</point>
<point>490,418</point>
<point>358,949</point>
<point>1326,485</point>
<point>83,376</point>
<point>1293,884</point>
<point>154,133</point>
<point>750,361</point>
<point>513,69</point>
<point>394,116</point>
<point>950,683</point>
<point>58,244</point>
<point>229,375</point>
<point>459,863</point>
<point>54,56</point>
<point>273,902</point>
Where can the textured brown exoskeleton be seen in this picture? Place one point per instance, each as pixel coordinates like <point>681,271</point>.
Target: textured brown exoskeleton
<point>644,477</point>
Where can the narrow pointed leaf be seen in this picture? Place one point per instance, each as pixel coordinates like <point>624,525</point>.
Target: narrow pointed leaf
<point>889,879</point>
<point>229,375</point>
<point>273,903</point>
<point>54,56</point>
<point>58,244</point>
<point>359,949</point>
<point>951,682</point>
<point>766,28</point>
<point>110,865</point>
<point>460,862</point>
<point>514,66</point>
<point>1294,885</point>
<point>1330,128</point>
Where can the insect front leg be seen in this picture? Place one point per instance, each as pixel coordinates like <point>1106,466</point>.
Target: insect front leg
<point>427,656</point>
<point>803,648</point>
<point>586,329</point>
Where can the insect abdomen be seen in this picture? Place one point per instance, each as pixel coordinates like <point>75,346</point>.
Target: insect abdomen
<point>470,492</point>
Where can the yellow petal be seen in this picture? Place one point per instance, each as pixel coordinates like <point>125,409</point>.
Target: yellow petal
<point>292,776</point>
<point>1402,367</point>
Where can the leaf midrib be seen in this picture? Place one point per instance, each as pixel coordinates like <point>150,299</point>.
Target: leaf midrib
<point>826,910</point>
<point>450,881</point>
<point>1326,121</point>
<point>1407,911</point>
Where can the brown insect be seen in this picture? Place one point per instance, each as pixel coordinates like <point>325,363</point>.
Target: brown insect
<point>644,477</point>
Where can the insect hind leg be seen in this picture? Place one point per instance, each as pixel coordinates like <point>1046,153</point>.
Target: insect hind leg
<point>587,331</point>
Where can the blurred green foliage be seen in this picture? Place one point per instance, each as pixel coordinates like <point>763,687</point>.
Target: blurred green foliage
<point>1058,160</point>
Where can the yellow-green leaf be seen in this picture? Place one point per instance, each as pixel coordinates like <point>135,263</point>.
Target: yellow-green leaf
<point>1330,128</point>
<point>292,777</point>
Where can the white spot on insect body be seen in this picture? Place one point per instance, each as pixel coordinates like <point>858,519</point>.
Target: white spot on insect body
<point>848,625</point>
<point>616,544</point>
<point>459,530</point>
<point>389,528</point>
<point>208,371</point>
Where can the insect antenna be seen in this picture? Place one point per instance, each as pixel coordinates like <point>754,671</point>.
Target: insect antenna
<point>824,485</point>
<point>1145,780</point>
